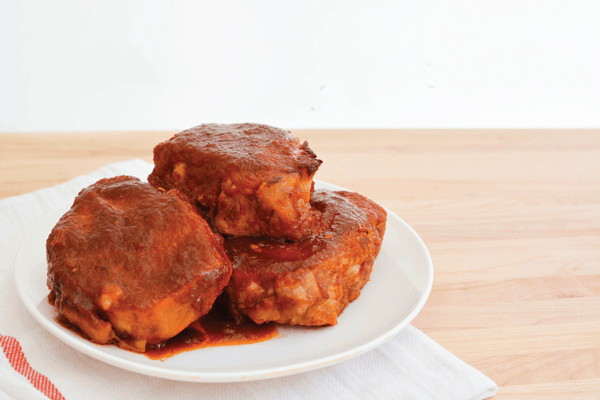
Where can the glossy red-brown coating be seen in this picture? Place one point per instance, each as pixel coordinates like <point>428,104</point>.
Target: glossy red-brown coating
<point>253,179</point>
<point>213,329</point>
<point>308,282</point>
<point>131,265</point>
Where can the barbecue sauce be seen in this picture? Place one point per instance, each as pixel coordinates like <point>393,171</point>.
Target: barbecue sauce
<point>217,328</point>
<point>214,329</point>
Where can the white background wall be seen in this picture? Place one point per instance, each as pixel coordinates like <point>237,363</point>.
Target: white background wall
<point>126,65</point>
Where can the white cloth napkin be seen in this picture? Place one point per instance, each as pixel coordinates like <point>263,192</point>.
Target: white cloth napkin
<point>408,366</point>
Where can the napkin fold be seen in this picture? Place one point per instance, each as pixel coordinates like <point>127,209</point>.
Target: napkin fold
<point>408,366</point>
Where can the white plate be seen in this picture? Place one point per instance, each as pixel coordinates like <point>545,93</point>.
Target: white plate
<point>399,286</point>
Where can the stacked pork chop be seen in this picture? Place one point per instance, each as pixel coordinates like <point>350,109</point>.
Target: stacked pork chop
<point>299,256</point>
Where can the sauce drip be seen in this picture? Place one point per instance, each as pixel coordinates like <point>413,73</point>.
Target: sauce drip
<point>213,329</point>
<point>217,328</point>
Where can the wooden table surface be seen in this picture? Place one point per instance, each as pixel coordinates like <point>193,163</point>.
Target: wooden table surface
<point>511,218</point>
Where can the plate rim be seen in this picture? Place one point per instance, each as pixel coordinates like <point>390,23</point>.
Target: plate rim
<point>191,376</point>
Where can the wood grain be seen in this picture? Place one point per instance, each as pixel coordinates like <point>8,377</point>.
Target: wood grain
<point>511,218</point>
